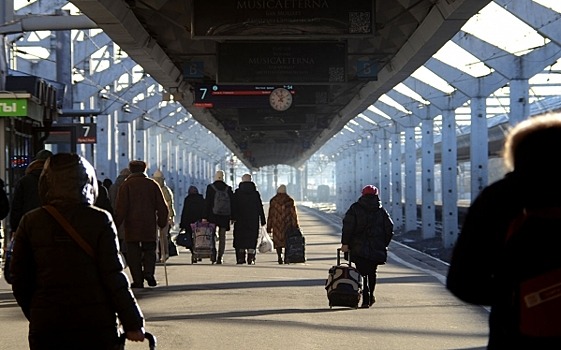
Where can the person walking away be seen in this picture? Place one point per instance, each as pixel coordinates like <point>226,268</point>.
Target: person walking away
<point>248,216</point>
<point>193,207</point>
<point>4,207</point>
<point>142,208</point>
<point>165,237</point>
<point>281,218</point>
<point>26,193</point>
<point>71,299</point>
<point>113,191</point>
<point>481,270</point>
<point>366,234</point>
<point>102,201</point>
<point>107,183</point>
<point>218,212</point>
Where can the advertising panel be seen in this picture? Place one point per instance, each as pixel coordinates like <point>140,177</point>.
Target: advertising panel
<point>229,19</point>
<point>283,62</point>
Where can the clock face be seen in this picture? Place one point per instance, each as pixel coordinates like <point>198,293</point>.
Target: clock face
<point>280,99</point>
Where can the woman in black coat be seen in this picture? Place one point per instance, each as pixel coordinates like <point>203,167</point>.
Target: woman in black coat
<point>71,298</point>
<point>366,233</point>
<point>193,207</point>
<point>248,215</point>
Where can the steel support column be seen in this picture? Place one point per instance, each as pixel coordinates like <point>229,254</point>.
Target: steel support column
<point>427,177</point>
<point>449,176</point>
<point>410,180</point>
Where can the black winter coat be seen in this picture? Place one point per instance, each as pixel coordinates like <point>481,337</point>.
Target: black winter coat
<point>367,229</point>
<point>193,207</point>
<point>103,200</point>
<point>59,287</point>
<point>248,215</point>
<point>26,193</point>
<point>475,267</point>
<point>220,220</point>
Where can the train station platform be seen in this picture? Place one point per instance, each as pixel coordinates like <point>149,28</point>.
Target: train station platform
<point>271,306</point>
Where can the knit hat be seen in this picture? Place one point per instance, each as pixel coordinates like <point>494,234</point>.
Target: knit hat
<point>281,189</point>
<point>158,173</point>
<point>219,175</point>
<point>246,178</point>
<point>43,154</point>
<point>370,189</point>
<point>137,166</point>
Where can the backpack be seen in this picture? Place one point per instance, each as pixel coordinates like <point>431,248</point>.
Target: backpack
<point>534,278</point>
<point>221,205</point>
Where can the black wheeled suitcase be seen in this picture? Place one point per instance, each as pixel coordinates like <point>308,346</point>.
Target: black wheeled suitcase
<point>148,336</point>
<point>295,247</point>
<point>343,284</point>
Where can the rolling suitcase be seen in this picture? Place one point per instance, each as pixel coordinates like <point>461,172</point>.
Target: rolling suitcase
<point>343,284</point>
<point>148,336</point>
<point>295,247</point>
<point>203,240</point>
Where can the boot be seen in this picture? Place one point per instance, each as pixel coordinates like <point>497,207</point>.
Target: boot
<point>251,259</point>
<point>279,256</point>
<point>240,256</point>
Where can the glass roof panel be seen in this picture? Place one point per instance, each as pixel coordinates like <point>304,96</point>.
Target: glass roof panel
<point>405,90</point>
<point>497,26</point>
<point>428,77</point>
<point>366,119</point>
<point>454,55</point>
<point>391,102</point>
<point>378,112</point>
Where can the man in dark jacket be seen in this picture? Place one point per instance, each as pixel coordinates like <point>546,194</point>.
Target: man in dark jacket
<point>367,231</point>
<point>221,221</point>
<point>142,208</point>
<point>26,193</point>
<point>71,299</point>
<point>248,216</point>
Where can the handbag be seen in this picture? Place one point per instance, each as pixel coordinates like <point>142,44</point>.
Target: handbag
<point>184,240</point>
<point>266,243</point>
<point>7,260</point>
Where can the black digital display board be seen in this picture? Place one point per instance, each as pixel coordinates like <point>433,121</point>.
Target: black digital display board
<point>223,19</point>
<point>252,96</point>
<point>294,62</point>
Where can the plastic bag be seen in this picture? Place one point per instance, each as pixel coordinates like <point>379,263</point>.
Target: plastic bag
<point>265,242</point>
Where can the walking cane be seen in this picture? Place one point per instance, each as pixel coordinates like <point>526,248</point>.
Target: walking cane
<point>164,240</point>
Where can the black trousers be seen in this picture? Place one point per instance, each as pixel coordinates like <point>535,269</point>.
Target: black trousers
<point>141,258</point>
<point>367,269</point>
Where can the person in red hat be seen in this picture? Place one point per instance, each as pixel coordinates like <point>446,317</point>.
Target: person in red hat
<point>367,231</point>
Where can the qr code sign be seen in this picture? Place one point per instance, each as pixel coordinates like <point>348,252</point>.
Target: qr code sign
<point>336,74</point>
<point>360,23</point>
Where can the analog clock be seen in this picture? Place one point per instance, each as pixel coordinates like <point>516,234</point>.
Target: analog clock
<point>280,99</point>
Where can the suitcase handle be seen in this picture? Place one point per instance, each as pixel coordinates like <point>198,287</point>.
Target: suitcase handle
<point>339,257</point>
<point>147,335</point>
